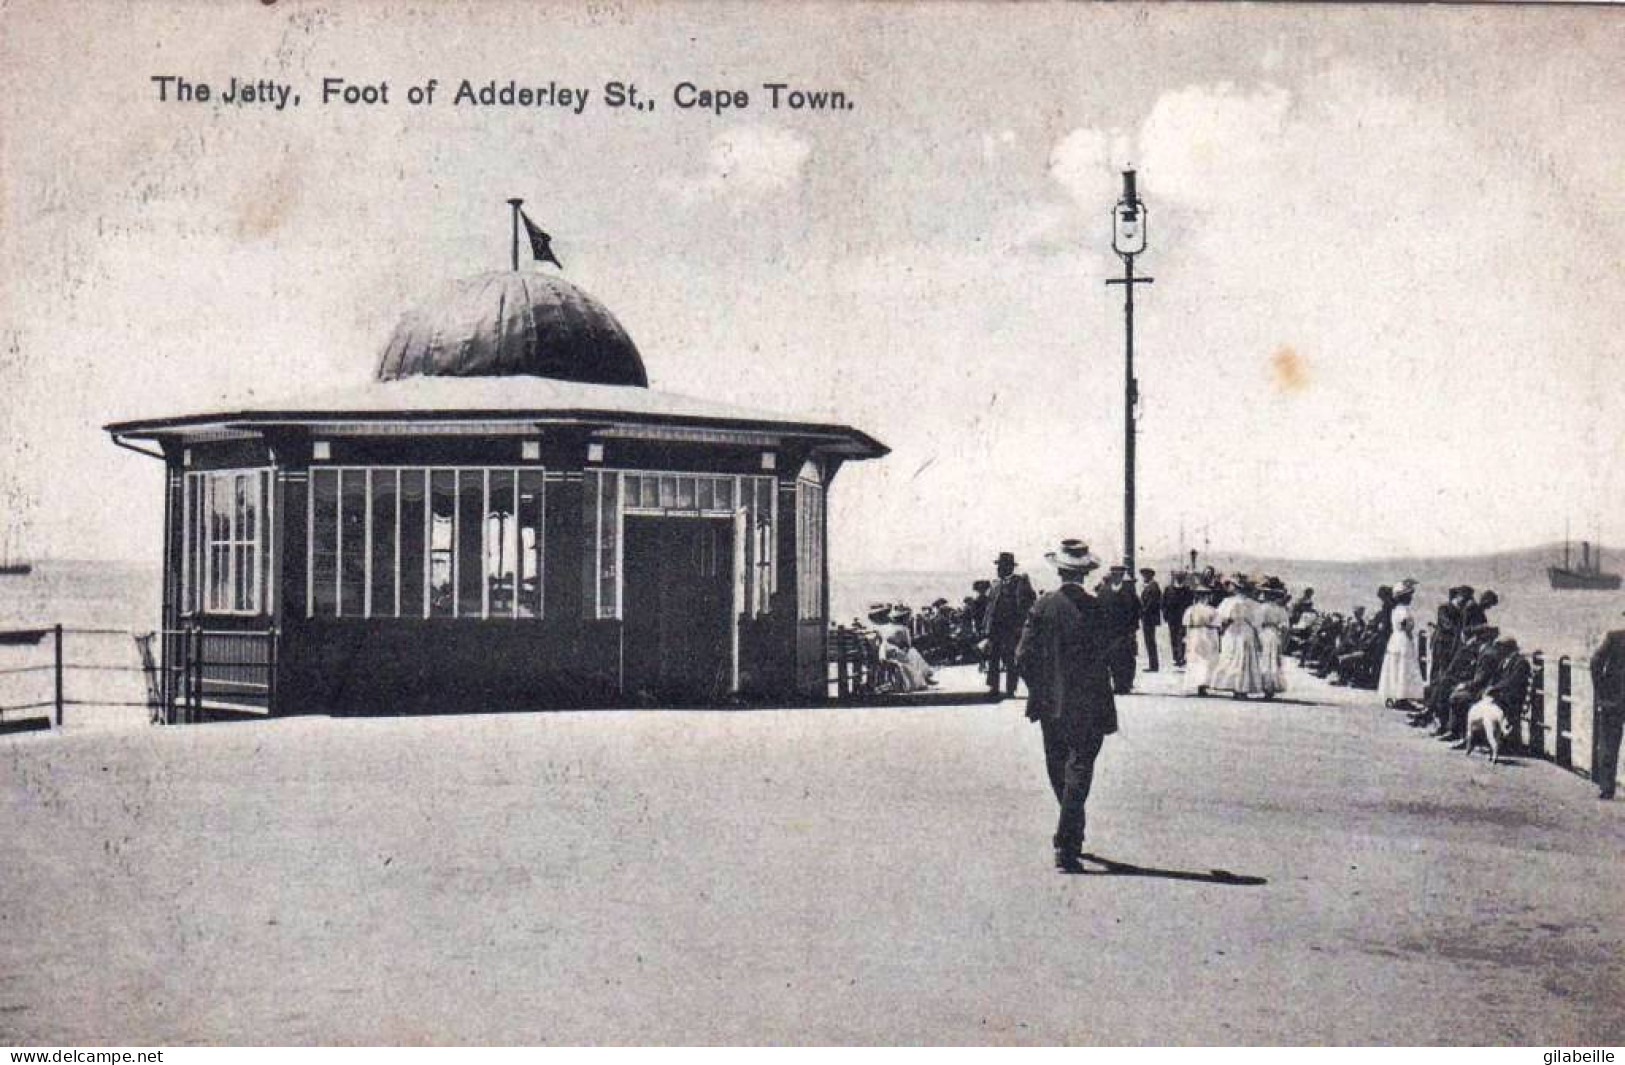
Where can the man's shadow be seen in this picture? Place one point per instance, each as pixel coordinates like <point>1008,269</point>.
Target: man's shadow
<point>1109,867</point>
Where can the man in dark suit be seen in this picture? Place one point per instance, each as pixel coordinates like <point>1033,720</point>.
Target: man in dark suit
<point>1063,654</point>
<point>1150,615</point>
<point>1122,605</point>
<point>1176,599</point>
<point>1608,689</point>
<point>1457,673</point>
<point>1008,601</point>
<point>1510,688</point>
<point>1485,670</point>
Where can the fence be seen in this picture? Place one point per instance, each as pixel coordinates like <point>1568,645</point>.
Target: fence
<point>52,707</point>
<point>195,674</point>
<point>854,662</point>
<point>1560,688</point>
<point>211,673</point>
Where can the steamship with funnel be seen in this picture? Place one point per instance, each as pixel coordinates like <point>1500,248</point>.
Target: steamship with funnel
<point>1587,576</point>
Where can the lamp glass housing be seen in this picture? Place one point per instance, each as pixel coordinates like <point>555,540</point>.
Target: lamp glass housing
<point>1128,227</point>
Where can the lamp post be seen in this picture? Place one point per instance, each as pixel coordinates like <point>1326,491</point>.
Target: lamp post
<point>1128,240</point>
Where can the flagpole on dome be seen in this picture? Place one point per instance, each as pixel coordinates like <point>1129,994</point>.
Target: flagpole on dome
<point>515,204</point>
<point>541,242</point>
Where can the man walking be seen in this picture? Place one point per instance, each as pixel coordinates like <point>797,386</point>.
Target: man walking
<point>1150,615</point>
<point>1122,609</point>
<point>1008,601</point>
<point>1608,689</point>
<point>1063,654</point>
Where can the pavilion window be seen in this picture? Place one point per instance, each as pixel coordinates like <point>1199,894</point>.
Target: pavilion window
<point>761,513</point>
<point>809,545</point>
<point>529,540</point>
<point>383,588</point>
<point>324,541</point>
<point>442,543</point>
<point>352,543</point>
<point>412,542</point>
<point>225,551</point>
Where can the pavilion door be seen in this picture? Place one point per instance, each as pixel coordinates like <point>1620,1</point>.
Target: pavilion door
<point>679,608</point>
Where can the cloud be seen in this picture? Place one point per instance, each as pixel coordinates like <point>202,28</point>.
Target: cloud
<point>1204,143</point>
<point>1086,162</point>
<point>746,163</point>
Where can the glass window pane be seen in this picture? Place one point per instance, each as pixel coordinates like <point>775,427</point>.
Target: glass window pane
<point>265,600</point>
<point>470,526</point>
<point>193,599</point>
<point>353,543</point>
<point>442,525</point>
<point>245,564</point>
<point>668,491</point>
<point>650,494</point>
<point>705,494</point>
<point>725,494</point>
<point>685,493</point>
<point>324,565</point>
<point>383,543</point>
<point>501,544</point>
<point>413,545</point>
<point>589,536</point>
<point>219,534</point>
<point>608,543</point>
<point>530,543</point>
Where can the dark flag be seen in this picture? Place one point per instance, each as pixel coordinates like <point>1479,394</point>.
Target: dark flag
<point>541,245</point>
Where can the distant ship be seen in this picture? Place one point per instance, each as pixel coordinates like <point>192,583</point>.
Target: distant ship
<point>9,566</point>
<point>1587,576</point>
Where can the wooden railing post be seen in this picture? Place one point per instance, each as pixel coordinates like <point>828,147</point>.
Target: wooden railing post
<point>1565,713</point>
<point>1537,704</point>
<point>270,668</point>
<point>843,681</point>
<point>194,706</point>
<point>57,719</point>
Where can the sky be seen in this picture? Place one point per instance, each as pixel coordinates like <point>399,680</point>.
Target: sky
<point>1386,246</point>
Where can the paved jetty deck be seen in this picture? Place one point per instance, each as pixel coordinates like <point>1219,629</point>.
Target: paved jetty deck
<point>1301,871</point>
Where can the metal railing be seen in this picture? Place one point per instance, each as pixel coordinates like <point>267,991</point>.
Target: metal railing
<point>208,673</point>
<point>1551,737</point>
<point>58,667</point>
<point>854,662</point>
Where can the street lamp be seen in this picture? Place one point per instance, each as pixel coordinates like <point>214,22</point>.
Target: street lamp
<point>1128,240</point>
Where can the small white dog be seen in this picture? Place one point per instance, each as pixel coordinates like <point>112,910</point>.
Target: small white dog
<point>1486,718</point>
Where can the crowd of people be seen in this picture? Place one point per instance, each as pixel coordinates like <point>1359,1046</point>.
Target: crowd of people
<point>1469,659</point>
<point>1079,650</point>
<point>1228,634</point>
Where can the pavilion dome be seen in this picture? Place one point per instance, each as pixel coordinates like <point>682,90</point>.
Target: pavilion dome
<point>511,323</point>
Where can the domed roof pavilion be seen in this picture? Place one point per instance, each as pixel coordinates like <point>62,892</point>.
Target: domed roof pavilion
<point>505,516</point>
<point>508,323</point>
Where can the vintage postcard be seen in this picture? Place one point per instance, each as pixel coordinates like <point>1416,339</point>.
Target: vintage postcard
<point>838,523</point>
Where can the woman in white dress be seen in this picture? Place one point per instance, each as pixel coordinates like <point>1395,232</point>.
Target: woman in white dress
<point>1400,681</point>
<point>1272,626</point>
<point>1201,641</point>
<point>1238,669</point>
<point>897,645</point>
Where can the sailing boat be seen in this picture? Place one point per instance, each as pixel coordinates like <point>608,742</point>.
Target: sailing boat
<point>1588,576</point>
<point>9,566</point>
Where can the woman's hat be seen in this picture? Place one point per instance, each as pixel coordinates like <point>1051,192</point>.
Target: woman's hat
<point>876,609</point>
<point>1074,555</point>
